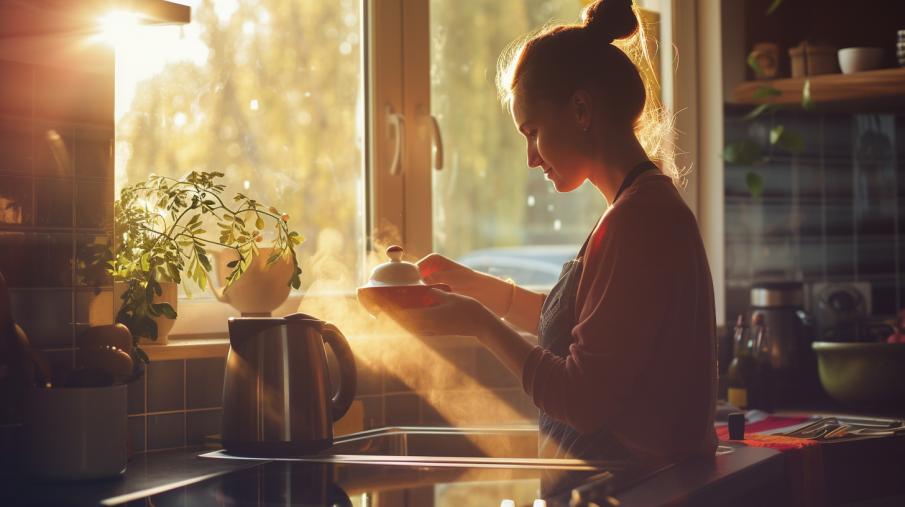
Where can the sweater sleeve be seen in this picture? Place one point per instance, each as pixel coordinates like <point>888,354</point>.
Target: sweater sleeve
<point>623,292</point>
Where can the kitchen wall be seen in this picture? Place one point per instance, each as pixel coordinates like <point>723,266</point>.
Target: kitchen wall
<point>56,207</point>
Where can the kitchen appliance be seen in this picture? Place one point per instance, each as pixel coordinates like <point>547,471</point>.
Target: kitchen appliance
<point>842,312</point>
<point>275,390</point>
<point>397,282</point>
<point>784,333</point>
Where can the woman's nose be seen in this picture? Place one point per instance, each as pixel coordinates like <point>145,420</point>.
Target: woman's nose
<point>534,159</point>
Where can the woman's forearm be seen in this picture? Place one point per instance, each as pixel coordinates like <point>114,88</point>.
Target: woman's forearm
<point>504,342</point>
<point>519,306</point>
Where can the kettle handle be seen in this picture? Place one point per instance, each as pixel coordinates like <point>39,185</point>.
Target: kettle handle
<point>348,375</point>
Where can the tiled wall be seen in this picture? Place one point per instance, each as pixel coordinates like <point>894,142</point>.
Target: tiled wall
<point>835,212</point>
<point>178,402</point>
<point>56,198</point>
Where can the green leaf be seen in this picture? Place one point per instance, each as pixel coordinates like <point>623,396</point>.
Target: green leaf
<point>764,92</point>
<point>205,261</point>
<point>773,6</point>
<point>791,141</point>
<point>232,264</point>
<point>776,133</point>
<point>167,310</point>
<point>742,153</point>
<point>757,111</point>
<point>752,62</point>
<point>806,101</point>
<point>755,184</point>
<point>141,354</point>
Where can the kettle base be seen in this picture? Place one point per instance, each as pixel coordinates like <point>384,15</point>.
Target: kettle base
<point>276,449</point>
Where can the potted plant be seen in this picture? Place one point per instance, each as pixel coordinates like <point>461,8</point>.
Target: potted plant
<point>160,241</point>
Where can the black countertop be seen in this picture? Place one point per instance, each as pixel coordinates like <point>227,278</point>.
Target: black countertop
<point>180,477</point>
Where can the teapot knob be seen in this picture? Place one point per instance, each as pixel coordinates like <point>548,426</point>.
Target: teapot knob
<point>394,252</point>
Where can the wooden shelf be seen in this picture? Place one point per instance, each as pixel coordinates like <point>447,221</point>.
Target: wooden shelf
<point>875,85</point>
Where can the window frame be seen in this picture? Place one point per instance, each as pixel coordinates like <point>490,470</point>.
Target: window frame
<point>396,80</point>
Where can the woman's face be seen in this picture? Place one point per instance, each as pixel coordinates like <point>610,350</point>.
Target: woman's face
<point>554,135</point>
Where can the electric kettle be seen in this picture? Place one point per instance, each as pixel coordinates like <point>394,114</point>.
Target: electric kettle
<point>275,390</point>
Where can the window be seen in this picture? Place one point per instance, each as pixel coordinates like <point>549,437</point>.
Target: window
<point>268,92</point>
<point>341,113</point>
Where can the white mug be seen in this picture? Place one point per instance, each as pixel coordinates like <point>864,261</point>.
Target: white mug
<point>76,432</point>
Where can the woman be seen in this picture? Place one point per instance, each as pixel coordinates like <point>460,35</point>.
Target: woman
<point>625,367</point>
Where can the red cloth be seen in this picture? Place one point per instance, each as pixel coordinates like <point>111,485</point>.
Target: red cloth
<point>772,422</point>
<point>803,457</point>
<point>642,362</point>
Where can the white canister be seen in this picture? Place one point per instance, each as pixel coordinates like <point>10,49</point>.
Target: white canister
<point>76,433</point>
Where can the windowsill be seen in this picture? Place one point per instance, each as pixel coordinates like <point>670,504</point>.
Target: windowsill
<point>188,348</point>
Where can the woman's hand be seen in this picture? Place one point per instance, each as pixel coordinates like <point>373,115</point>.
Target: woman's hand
<point>488,290</point>
<point>454,314</point>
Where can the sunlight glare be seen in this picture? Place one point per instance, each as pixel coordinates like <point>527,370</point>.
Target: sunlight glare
<point>118,26</point>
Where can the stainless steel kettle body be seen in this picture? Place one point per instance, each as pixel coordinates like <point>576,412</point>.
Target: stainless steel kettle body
<point>275,391</point>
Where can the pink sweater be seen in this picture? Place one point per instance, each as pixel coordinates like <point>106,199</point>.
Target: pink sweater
<point>642,363</point>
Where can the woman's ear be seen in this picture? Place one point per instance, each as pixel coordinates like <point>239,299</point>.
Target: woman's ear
<point>581,109</point>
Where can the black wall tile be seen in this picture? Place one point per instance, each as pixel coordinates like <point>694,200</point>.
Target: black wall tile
<point>17,88</point>
<point>370,379</point>
<point>91,258</point>
<point>91,209</point>
<point>373,411</point>
<point>137,391</point>
<point>50,259</point>
<point>16,145</point>
<point>166,430</point>
<point>201,424</point>
<point>137,433</point>
<point>74,96</point>
<point>45,315</point>
<point>166,385</point>
<point>16,200</point>
<point>53,202</point>
<point>402,409</point>
<point>54,145</point>
<point>204,382</point>
<point>94,152</point>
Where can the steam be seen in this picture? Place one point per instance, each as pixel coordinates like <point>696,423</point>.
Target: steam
<point>383,346</point>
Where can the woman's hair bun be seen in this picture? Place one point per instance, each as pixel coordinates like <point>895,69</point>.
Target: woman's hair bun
<point>610,19</point>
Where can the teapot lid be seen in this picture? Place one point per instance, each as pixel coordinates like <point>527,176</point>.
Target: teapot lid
<point>395,272</point>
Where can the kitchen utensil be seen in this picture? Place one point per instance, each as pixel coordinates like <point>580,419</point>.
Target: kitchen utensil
<point>784,334</point>
<point>260,290</point>
<point>76,433</point>
<point>859,59</point>
<point>863,374</point>
<point>275,391</point>
<point>398,283</point>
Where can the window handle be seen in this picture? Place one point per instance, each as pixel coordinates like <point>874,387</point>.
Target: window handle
<point>396,122</point>
<point>437,143</point>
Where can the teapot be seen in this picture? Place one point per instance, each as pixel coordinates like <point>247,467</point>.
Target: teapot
<point>275,390</point>
<point>399,283</point>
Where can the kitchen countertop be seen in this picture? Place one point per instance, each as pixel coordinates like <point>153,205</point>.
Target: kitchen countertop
<point>181,477</point>
<point>854,470</point>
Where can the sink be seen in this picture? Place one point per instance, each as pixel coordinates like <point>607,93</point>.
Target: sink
<point>510,442</point>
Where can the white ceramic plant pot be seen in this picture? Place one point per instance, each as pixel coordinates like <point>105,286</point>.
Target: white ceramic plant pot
<point>853,60</point>
<point>260,290</point>
<point>76,433</point>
